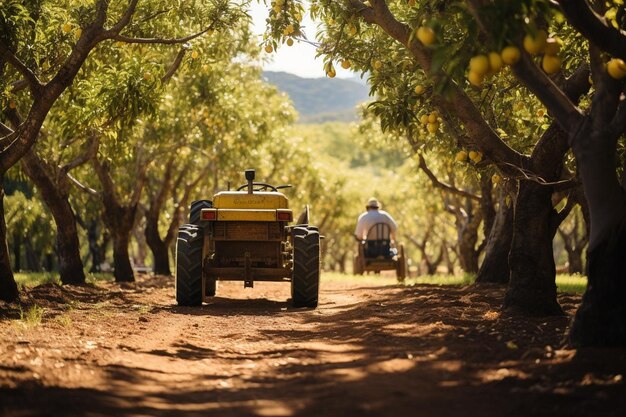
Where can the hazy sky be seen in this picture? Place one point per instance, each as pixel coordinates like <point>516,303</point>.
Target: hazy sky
<point>298,59</point>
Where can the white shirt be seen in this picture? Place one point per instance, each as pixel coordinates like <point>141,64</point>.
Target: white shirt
<point>369,219</point>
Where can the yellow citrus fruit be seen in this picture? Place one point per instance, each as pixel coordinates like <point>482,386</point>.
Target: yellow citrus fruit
<point>426,35</point>
<point>461,156</point>
<point>424,119</point>
<point>289,42</point>
<point>78,32</point>
<point>495,61</point>
<point>510,55</point>
<point>66,28</point>
<point>518,106</point>
<point>535,44</point>
<point>377,64</point>
<point>432,117</point>
<point>495,179</point>
<point>269,49</point>
<point>331,73</point>
<point>432,127</point>
<point>553,46</point>
<point>616,68</point>
<point>475,78</point>
<point>551,64</point>
<point>475,156</point>
<point>541,113</point>
<point>419,89</point>
<point>195,55</point>
<point>479,64</point>
<point>345,64</point>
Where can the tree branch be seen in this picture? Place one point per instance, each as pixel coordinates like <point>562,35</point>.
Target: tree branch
<point>456,102</point>
<point>591,25</point>
<point>33,82</point>
<point>164,41</point>
<point>90,191</point>
<point>441,185</point>
<point>93,144</point>
<point>555,100</point>
<point>175,65</point>
<point>126,18</point>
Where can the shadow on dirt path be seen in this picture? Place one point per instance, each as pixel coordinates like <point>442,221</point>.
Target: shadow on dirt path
<point>365,351</point>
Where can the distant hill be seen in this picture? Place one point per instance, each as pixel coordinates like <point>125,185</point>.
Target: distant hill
<point>321,99</point>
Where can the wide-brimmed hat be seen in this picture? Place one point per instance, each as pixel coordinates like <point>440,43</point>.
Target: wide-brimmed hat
<point>372,203</point>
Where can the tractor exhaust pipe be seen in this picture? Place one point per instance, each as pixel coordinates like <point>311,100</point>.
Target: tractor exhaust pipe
<point>250,177</point>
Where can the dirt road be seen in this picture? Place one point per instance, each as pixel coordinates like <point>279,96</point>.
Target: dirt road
<point>366,351</point>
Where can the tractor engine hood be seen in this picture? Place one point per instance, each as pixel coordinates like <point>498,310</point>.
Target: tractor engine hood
<point>243,200</point>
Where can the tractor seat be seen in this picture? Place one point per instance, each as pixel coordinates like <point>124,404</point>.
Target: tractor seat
<point>378,242</point>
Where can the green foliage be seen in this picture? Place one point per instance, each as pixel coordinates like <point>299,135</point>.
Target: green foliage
<point>565,283</point>
<point>32,279</point>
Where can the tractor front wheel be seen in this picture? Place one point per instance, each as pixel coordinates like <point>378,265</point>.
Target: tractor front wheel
<point>305,282</point>
<point>189,265</point>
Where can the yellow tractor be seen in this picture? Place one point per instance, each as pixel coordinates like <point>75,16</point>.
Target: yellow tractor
<point>245,235</point>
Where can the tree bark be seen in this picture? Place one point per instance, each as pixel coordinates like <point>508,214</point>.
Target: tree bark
<point>601,318</point>
<point>159,248</point>
<point>56,197</point>
<point>123,269</point>
<point>8,286</point>
<point>532,287</point>
<point>119,219</point>
<point>17,250</point>
<point>495,266</point>
<point>33,259</point>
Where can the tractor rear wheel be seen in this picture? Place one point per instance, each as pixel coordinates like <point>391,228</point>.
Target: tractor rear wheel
<point>305,282</point>
<point>196,208</point>
<point>189,265</point>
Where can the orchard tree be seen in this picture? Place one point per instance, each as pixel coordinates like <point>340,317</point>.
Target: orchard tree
<point>595,132</point>
<point>35,73</point>
<point>390,41</point>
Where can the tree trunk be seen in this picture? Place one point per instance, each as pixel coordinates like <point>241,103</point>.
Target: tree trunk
<point>159,248</point>
<point>601,318</point>
<point>56,197</point>
<point>575,261</point>
<point>161,259</point>
<point>495,266</point>
<point>468,255</point>
<point>532,287</point>
<point>33,259</point>
<point>123,269</point>
<point>342,262</point>
<point>467,224</point>
<point>8,287</point>
<point>17,251</point>
<point>94,247</point>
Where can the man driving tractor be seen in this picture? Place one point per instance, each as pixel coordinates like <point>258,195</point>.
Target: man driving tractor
<point>368,228</point>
